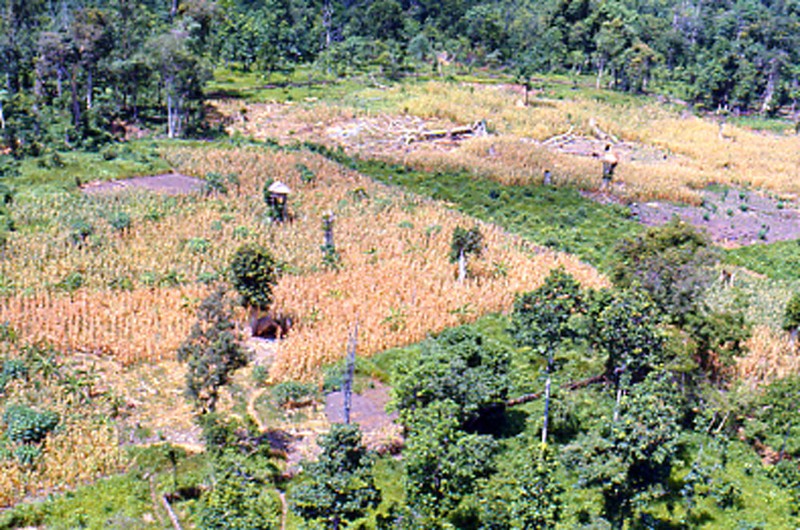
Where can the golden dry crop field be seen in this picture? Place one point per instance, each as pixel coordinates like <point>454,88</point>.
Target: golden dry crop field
<point>666,155</point>
<point>395,278</point>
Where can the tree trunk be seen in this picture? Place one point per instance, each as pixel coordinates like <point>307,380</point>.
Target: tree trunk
<point>170,126</point>
<point>76,103</point>
<point>600,66</point>
<point>89,88</point>
<point>462,266</point>
<point>546,410</point>
<point>2,117</point>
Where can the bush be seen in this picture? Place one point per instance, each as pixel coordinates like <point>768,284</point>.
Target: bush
<point>120,221</point>
<point>80,230</point>
<point>27,454</point>
<point>198,245</point>
<point>293,392</point>
<point>25,425</point>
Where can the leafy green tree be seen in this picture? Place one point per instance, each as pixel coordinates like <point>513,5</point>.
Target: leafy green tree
<point>460,366</point>
<point>671,263</point>
<point>630,458</point>
<point>543,320</point>
<point>464,243</point>
<point>241,495</point>
<point>212,351</point>
<point>183,74</point>
<point>527,495</point>
<point>443,463</point>
<point>339,487</point>
<point>253,274</point>
<point>625,326</point>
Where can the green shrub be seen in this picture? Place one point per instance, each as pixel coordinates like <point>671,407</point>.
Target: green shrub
<point>290,392</point>
<point>80,230</point>
<point>27,455</point>
<point>71,282</point>
<point>198,245</point>
<point>120,221</point>
<point>306,175</point>
<point>25,425</point>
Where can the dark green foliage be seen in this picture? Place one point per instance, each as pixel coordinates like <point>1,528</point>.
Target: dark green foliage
<point>630,456</point>
<point>339,487</point>
<point>544,318</point>
<point>466,242</point>
<point>671,264</point>
<point>27,455</point>
<point>460,366</point>
<point>791,315</point>
<point>293,392</point>
<point>120,221</point>
<point>14,369</point>
<point>26,425</point>
<point>212,351</point>
<point>775,418</point>
<point>219,182</point>
<point>241,495</point>
<point>443,463</point>
<point>307,176</point>
<point>625,327</point>
<point>254,274</point>
<point>718,340</point>
<point>80,230</point>
<point>71,282</point>
<point>527,495</point>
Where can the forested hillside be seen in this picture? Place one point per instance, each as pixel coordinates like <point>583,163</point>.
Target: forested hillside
<point>76,71</point>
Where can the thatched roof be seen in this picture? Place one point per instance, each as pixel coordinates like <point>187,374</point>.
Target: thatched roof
<point>279,188</point>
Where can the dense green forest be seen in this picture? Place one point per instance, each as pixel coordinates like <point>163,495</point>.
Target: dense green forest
<point>74,72</point>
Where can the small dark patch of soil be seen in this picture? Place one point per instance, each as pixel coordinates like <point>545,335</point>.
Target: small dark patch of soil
<point>731,217</point>
<point>170,184</point>
<point>368,410</point>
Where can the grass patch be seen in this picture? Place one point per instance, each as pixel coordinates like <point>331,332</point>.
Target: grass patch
<point>780,260</point>
<point>558,218</point>
<point>64,171</point>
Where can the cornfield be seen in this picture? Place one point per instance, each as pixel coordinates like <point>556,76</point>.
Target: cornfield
<point>394,277</point>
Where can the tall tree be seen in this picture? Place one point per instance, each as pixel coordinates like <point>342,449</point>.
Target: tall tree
<point>339,487</point>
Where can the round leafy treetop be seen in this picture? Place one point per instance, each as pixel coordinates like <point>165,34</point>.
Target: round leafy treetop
<point>253,275</point>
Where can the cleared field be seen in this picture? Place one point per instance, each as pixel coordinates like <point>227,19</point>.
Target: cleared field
<point>131,293</point>
<point>668,154</point>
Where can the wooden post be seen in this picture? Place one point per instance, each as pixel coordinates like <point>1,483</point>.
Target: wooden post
<point>347,384</point>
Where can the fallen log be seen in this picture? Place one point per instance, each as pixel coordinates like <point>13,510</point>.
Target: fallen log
<point>476,129</point>
<point>574,385</point>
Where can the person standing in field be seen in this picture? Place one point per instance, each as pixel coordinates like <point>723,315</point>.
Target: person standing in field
<point>610,162</point>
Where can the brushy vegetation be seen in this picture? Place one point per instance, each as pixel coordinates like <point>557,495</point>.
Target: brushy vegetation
<point>777,260</point>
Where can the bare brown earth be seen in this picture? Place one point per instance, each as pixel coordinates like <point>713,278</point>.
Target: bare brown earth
<point>170,184</point>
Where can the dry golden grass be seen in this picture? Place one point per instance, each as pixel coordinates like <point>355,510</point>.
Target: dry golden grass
<point>144,324</point>
<point>395,277</point>
<point>771,356</point>
<point>694,153</point>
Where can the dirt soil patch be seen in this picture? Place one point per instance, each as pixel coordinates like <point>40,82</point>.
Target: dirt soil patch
<point>170,184</point>
<point>731,217</point>
<point>368,410</point>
